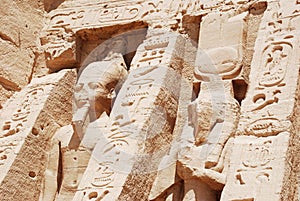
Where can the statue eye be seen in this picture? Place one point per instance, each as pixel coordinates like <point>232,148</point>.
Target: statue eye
<point>78,87</point>
<point>94,85</point>
<point>111,90</point>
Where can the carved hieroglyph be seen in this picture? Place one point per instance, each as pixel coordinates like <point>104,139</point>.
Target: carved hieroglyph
<point>142,121</point>
<point>28,122</point>
<point>255,166</point>
<point>59,36</point>
<point>258,173</point>
<point>273,83</point>
<point>229,149</point>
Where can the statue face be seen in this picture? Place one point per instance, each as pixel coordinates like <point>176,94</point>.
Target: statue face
<point>92,89</point>
<point>118,45</point>
<point>97,83</point>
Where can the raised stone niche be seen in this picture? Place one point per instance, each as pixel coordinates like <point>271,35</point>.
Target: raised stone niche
<point>95,44</point>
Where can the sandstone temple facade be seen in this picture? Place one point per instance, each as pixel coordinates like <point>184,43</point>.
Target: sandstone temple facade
<point>150,100</point>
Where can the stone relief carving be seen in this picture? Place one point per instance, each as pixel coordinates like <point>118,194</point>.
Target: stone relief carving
<point>213,116</point>
<point>59,37</point>
<point>271,82</point>
<point>93,94</point>
<point>29,123</point>
<point>123,141</point>
<point>255,169</point>
<point>145,92</point>
<point>226,54</point>
<point>20,116</point>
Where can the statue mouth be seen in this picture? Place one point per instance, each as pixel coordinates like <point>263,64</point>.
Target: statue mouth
<point>82,102</point>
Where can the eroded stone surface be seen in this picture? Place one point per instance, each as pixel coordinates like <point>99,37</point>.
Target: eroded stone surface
<point>174,100</point>
<point>27,128</point>
<point>21,23</point>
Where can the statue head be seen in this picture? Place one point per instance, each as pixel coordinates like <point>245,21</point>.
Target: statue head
<point>117,45</point>
<point>96,85</point>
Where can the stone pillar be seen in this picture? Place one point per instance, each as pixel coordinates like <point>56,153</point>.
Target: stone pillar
<point>261,159</point>
<point>28,122</point>
<point>124,163</point>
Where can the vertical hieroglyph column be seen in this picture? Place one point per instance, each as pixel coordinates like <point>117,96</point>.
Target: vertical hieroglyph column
<point>28,121</point>
<point>260,159</point>
<point>124,164</point>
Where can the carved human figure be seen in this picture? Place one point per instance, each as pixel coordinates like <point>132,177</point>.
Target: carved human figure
<point>95,86</point>
<point>93,94</point>
<point>213,117</point>
<point>202,161</point>
<point>141,125</point>
<point>98,80</point>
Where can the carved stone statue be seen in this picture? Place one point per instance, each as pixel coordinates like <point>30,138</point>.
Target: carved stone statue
<point>93,96</point>
<point>213,116</point>
<point>209,109</point>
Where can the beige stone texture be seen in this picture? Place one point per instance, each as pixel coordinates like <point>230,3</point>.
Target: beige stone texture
<point>143,114</point>
<point>93,95</point>
<point>150,100</point>
<point>265,113</point>
<point>29,120</point>
<point>255,166</point>
<point>20,26</point>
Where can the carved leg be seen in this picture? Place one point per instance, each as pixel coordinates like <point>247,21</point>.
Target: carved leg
<point>50,182</point>
<point>195,190</point>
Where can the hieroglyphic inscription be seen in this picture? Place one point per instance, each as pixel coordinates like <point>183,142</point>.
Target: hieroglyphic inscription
<point>275,58</point>
<point>19,116</point>
<point>133,107</point>
<point>136,120</point>
<point>7,148</point>
<point>271,81</point>
<point>152,52</point>
<point>73,19</point>
<point>265,127</point>
<point>103,175</point>
<point>256,166</point>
